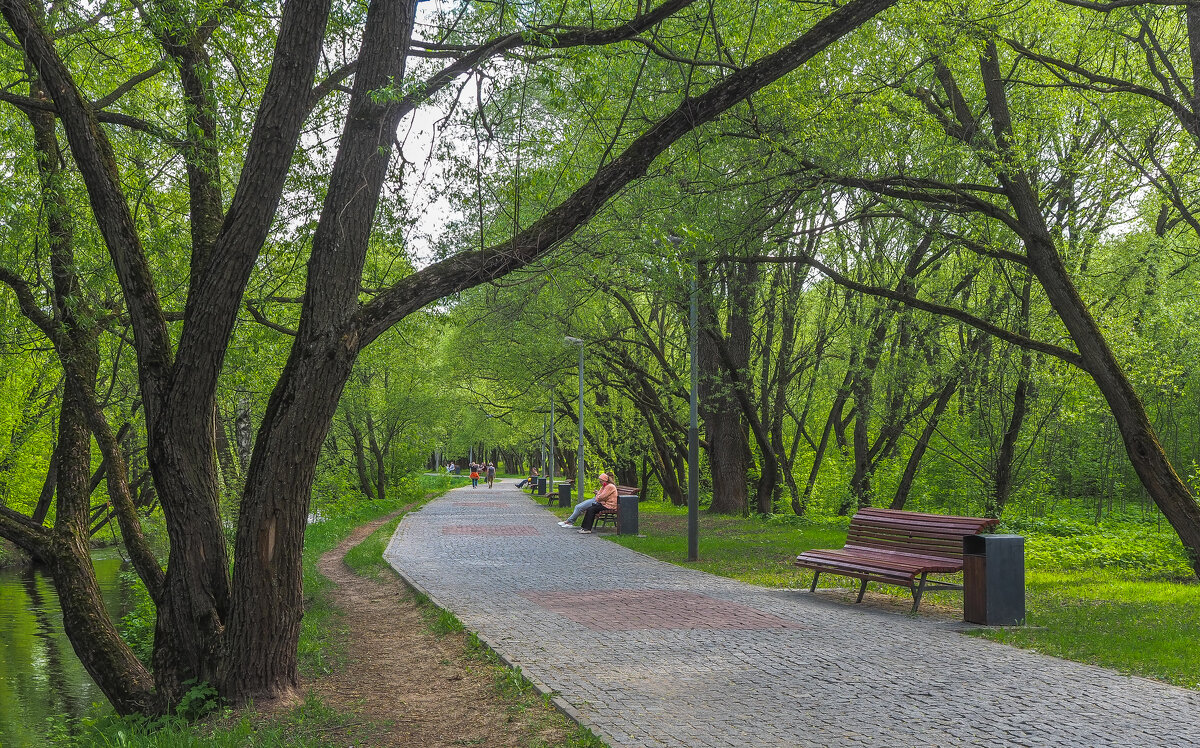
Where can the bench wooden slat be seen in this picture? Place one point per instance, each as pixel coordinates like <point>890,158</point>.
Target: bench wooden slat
<point>900,563</point>
<point>895,547</point>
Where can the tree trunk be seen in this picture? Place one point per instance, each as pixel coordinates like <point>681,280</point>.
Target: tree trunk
<point>264,624</point>
<point>1002,487</point>
<point>1145,452</point>
<point>728,447</point>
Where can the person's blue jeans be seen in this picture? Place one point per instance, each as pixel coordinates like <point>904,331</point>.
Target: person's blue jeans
<point>580,508</point>
<point>474,483</point>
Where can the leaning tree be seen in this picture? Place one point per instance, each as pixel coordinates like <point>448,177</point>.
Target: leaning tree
<point>239,631</point>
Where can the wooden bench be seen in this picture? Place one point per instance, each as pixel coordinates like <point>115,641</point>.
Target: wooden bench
<point>895,547</point>
<point>605,516</point>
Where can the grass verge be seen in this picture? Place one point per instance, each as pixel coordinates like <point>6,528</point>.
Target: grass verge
<point>1101,603</point>
<point>519,694</point>
<point>306,726</point>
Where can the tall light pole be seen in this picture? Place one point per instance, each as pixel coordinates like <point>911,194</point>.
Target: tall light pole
<point>579,473</point>
<point>693,497</point>
<point>551,489</point>
<point>693,429</point>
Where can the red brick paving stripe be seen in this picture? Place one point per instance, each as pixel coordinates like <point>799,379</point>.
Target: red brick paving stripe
<point>491,530</point>
<point>631,610</point>
<point>482,503</point>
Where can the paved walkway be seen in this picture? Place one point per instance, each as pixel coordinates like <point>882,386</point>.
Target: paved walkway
<point>651,654</point>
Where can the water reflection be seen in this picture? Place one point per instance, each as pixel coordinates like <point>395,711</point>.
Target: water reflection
<point>40,677</point>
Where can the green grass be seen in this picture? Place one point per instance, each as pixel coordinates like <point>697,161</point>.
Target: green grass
<point>1137,626</point>
<point>307,726</point>
<point>1118,594</point>
<point>366,558</point>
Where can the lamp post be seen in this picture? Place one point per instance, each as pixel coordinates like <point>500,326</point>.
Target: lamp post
<point>693,497</point>
<point>551,489</point>
<point>579,472</point>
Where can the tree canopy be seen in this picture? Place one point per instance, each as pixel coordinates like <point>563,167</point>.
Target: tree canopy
<point>943,253</point>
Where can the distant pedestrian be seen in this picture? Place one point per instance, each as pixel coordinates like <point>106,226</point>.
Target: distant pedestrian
<point>491,474</point>
<point>474,475</point>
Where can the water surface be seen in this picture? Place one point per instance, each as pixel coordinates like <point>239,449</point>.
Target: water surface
<point>40,677</point>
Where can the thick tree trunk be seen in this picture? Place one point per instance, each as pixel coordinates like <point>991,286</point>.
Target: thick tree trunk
<point>1146,454</point>
<point>127,683</point>
<point>264,624</point>
<point>725,434</point>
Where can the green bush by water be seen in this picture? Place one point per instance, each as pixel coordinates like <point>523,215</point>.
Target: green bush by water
<point>306,726</point>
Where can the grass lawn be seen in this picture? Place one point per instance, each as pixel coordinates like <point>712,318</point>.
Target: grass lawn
<point>1104,608</point>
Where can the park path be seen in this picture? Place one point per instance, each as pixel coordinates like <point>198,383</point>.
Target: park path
<point>646,653</point>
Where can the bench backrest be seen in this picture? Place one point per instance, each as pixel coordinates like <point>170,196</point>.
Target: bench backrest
<point>937,535</point>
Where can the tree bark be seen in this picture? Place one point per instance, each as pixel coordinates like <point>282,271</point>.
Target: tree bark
<point>264,624</point>
<point>1006,455</point>
<point>725,434</point>
<point>1145,452</point>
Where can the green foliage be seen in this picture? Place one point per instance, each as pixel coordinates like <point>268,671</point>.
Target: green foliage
<point>307,726</point>
<point>1134,548</point>
<point>199,700</point>
<point>137,626</point>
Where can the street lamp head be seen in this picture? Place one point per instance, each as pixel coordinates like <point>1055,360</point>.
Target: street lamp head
<point>573,341</point>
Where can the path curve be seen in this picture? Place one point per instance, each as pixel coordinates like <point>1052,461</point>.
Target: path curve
<point>413,688</point>
<point>652,654</point>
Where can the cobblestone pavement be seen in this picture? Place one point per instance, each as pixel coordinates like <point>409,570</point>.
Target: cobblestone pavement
<point>650,654</point>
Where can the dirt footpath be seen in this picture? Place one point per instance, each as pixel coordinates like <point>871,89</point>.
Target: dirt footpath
<point>417,688</point>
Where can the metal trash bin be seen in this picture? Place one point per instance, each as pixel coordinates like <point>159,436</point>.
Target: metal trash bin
<point>541,486</point>
<point>627,514</point>
<point>564,494</point>
<point>994,580</point>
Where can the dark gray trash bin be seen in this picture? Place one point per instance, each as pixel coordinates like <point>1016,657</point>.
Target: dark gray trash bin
<point>627,514</point>
<point>541,486</point>
<point>564,494</point>
<point>994,580</point>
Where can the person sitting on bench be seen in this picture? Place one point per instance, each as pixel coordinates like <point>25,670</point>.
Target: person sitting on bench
<point>532,477</point>
<point>606,498</point>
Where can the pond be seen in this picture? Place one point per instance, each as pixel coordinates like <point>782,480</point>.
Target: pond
<point>40,677</point>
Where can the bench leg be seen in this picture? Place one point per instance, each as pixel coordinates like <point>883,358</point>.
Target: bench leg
<point>917,591</point>
<point>816,576</point>
<point>861,591</point>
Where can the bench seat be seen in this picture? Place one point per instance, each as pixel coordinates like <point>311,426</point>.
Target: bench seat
<point>892,546</point>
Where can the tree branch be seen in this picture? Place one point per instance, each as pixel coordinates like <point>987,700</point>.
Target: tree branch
<point>1008,336</point>
<point>468,269</point>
